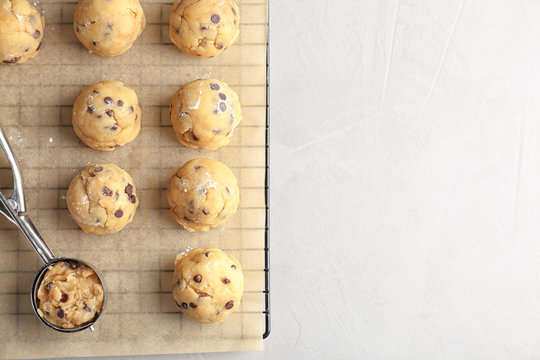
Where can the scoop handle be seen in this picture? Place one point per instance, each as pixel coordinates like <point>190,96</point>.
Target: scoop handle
<point>24,224</point>
<point>14,207</point>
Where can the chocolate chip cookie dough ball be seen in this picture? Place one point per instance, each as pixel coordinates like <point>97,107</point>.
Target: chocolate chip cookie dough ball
<point>106,115</point>
<point>203,194</point>
<point>207,284</point>
<point>21,31</point>
<point>108,27</point>
<point>204,27</point>
<point>102,199</point>
<point>204,114</point>
<point>70,295</point>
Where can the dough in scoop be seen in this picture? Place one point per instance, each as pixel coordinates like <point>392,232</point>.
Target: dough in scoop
<point>70,295</point>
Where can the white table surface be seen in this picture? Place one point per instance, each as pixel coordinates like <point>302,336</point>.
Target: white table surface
<point>405,180</point>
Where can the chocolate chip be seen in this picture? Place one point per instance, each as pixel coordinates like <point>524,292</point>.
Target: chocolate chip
<point>222,96</point>
<point>187,219</point>
<point>136,117</point>
<point>129,189</point>
<point>11,61</point>
<point>222,106</point>
<point>46,312</point>
<point>133,199</point>
<point>207,253</point>
<point>229,305</point>
<point>64,298</point>
<point>120,103</point>
<point>118,213</point>
<point>131,109</point>
<point>109,26</point>
<point>219,46</point>
<point>49,286</point>
<point>217,131</point>
<point>116,196</point>
<point>215,18</point>
<point>177,31</point>
<point>77,29</point>
<point>114,127</point>
<point>214,86</point>
<point>234,21</point>
<point>197,167</point>
<point>195,138</point>
<point>108,100</point>
<point>94,43</point>
<point>98,221</point>
<point>184,305</point>
<point>39,47</point>
<point>203,190</point>
<point>37,34</point>
<point>192,305</point>
<point>204,28</point>
<point>197,278</point>
<point>60,313</point>
<point>91,108</point>
<point>110,113</point>
<point>107,191</point>
<point>73,265</point>
<point>233,266</point>
<point>95,91</point>
<point>86,308</point>
<point>205,211</point>
<point>98,169</point>
<point>226,281</point>
<point>228,133</point>
<point>27,50</point>
<point>228,190</point>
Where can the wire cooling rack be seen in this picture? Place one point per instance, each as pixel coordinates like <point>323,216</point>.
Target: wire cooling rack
<point>35,111</point>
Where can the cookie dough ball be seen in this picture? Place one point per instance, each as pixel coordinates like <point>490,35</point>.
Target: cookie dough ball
<point>70,295</point>
<point>21,31</point>
<point>102,199</point>
<point>204,27</point>
<point>106,115</point>
<point>207,284</point>
<point>204,114</point>
<point>108,27</point>
<point>203,194</point>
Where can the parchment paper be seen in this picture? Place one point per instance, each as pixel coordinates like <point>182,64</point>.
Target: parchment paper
<point>141,317</point>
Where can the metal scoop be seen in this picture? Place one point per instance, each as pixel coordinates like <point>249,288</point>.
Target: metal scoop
<point>14,209</point>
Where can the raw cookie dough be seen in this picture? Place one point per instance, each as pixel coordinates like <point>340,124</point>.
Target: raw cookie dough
<point>102,199</point>
<point>204,27</point>
<point>106,115</point>
<point>21,31</point>
<point>70,295</point>
<point>108,27</point>
<point>204,114</point>
<point>202,194</point>
<point>207,284</point>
